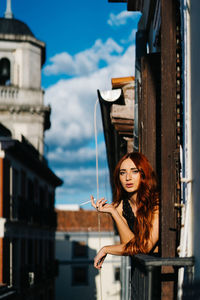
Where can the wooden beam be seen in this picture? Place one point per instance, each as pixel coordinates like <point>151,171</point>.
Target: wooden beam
<point>135,5</point>
<point>1,187</point>
<point>148,123</point>
<point>1,215</point>
<point>126,134</point>
<point>122,121</point>
<point>168,127</point>
<point>168,139</point>
<point>121,81</point>
<point>124,127</point>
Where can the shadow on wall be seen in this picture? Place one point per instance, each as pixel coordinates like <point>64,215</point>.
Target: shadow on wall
<point>76,274</point>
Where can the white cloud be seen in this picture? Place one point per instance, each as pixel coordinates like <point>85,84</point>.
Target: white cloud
<point>72,128</point>
<point>86,61</point>
<point>73,101</point>
<point>80,155</point>
<point>121,18</point>
<point>84,177</point>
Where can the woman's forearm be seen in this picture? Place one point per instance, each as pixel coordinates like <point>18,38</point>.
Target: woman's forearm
<point>124,231</point>
<point>115,249</point>
<point>101,255</point>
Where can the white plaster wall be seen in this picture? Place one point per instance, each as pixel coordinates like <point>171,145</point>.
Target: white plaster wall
<point>109,288</point>
<point>106,284</point>
<point>24,91</point>
<point>29,125</point>
<point>195,107</point>
<point>25,63</point>
<point>30,66</point>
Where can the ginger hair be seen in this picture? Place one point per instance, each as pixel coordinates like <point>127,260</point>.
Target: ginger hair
<point>147,201</point>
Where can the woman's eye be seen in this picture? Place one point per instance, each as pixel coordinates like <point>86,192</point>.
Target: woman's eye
<point>135,171</point>
<point>122,173</point>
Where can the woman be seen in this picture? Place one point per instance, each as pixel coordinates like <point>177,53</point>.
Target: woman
<point>135,208</point>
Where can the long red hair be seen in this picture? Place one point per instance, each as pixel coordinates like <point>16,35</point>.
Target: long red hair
<point>147,201</point>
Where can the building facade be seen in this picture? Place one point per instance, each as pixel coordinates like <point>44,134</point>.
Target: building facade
<point>28,221</point>
<point>22,107</point>
<point>78,239</point>
<point>27,184</point>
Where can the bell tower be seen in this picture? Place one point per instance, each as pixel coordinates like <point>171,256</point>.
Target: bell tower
<point>22,56</point>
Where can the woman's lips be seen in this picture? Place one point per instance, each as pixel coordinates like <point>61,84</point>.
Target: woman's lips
<point>129,185</point>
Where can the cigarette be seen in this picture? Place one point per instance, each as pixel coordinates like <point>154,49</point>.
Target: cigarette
<point>86,202</point>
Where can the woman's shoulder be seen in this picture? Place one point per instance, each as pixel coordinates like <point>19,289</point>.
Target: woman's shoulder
<point>118,206</point>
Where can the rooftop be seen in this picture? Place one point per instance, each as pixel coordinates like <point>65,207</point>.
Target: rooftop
<point>83,220</point>
<point>14,26</point>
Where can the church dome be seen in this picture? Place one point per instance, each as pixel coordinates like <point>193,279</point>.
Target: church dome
<point>14,26</point>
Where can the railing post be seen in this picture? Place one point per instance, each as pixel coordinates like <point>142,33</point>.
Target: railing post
<point>190,274</point>
<point>146,274</point>
<point>150,281</point>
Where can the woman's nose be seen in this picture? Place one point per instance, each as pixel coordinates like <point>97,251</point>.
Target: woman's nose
<point>128,176</point>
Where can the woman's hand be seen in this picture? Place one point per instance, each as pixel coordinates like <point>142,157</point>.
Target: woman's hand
<point>102,206</point>
<point>99,258</point>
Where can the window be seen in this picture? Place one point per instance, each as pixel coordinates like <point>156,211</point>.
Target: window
<point>15,187</point>
<point>41,197</point>
<point>30,191</point>
<point>80,275</point>
<point>6,189</point>
<point>79,249</point>
<point>23,184</point>
<point>4,71</point>
<point>30,252</point>
<point>15,194</point>
<point>117,274</point>
<point>6,261</point>
<point>36,188</point>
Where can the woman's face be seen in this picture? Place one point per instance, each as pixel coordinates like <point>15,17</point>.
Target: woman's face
<point>129,176</point>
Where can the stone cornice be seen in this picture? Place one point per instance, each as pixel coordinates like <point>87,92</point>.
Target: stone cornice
<point>33,109</point>
<point>21,38</point>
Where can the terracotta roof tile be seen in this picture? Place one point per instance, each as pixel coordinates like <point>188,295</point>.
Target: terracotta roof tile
<point>83,220</point>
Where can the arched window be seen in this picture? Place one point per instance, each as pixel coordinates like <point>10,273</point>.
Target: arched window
<point>4,71</point>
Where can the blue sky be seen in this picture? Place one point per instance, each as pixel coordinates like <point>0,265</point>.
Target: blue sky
<point>87,43</point>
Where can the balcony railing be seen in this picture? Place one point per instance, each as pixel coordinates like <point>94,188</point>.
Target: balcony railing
<point>191,291</point>
<point>7,293</point>
<point>146,274</point>
<point>12,94</point>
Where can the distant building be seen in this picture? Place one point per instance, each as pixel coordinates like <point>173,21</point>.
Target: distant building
<point>22,108</point>
<point>27,184</point>
<point>77,241</point>
<point>28,220</point>
<point>67,206</point>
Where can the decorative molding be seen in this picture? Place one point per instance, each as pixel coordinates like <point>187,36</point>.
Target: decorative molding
<point>33,109</point>
<point>8,92</point>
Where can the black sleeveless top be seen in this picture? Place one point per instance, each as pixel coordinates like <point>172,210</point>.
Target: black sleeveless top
<point>128,214</point>
<point>131,218</point>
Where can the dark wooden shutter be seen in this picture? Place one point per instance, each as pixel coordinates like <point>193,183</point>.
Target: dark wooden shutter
<point>149,124</point>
